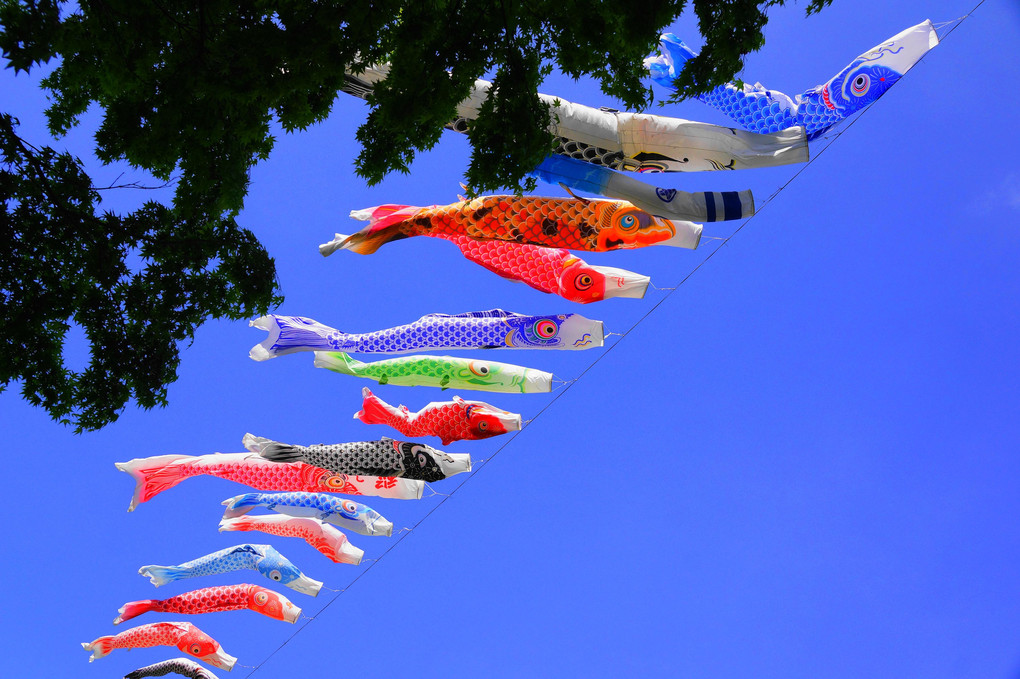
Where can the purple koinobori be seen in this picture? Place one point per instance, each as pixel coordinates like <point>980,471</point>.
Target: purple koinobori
<point>474,330</point>
<point>761,110</point>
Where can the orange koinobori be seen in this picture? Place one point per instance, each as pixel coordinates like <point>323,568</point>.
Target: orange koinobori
<point>570,223</point>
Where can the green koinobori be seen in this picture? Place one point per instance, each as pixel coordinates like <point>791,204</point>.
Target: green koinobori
<point>440,371</point>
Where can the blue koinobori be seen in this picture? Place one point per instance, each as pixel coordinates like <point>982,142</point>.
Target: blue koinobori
<point>261,558</point>
<point>702,206</point>
<point>761,110</point>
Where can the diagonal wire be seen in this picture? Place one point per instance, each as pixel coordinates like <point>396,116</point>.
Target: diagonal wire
<point>569,385</point>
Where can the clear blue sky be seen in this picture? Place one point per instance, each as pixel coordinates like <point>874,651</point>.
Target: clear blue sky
<point>803,464</point>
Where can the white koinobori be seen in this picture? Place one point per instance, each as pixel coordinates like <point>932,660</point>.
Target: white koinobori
<point>593,143</point>
<point>646,142</point>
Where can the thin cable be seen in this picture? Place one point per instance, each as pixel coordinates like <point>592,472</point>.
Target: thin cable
<point>570,384</point>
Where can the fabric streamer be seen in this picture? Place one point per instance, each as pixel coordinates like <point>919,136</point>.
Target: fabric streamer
<point>183,635</point>
<point>755,108</point>
<point>405,459</point>
<point>445,372</point>
<point>705,206</point>
<point>262,558</point>
<point>474,330</point>
<point>454,420</point>
<point>153,475</point>
<point>325,538</point>
<point>340,512</point>
<point>571,223</point>
<point>552,270</point>
<point>182,666</point>
<point>215,599</point>
<point>632,141</point>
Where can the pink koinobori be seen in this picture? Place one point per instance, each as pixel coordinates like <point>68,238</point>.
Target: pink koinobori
<point>325,538</point>
<point>153,475</point>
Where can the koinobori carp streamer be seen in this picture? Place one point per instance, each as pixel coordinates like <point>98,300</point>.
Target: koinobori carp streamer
<point>325,538</point>
<point>340,512</point>
<point>153,475</point>
<point>262,558</point>
<point>400,459</point>
<point>553,270</point>
<point>181,666</point>
<point>703,206</point>
<point>571,223</point>
<point>451,421</point>
<point>755,108</point>
<point>215,599</point>
<point>623,140</point>
<point>183,635</point>
<point>494,329</point>
<point>445,372</point>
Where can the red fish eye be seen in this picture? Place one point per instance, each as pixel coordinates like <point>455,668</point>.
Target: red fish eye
<point>261,598</point>
<point>483,425</point>
<point>583,281</point>
<point>195,649</point>
<point>546,329</point>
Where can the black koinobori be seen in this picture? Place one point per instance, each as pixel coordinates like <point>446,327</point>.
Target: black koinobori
<point>384,457</point>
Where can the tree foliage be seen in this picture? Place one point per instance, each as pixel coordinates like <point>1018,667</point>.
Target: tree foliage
<point>138,286</point>
<point>191,88</point>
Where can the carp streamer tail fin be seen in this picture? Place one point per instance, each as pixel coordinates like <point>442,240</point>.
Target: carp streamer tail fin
<point>374,410</point>
<point>278,452</point>
<point>240,504</point>
<point>288,334</point>
<point>338,362</point>
<point>100,647</point>
<point>384,225</point>
<point>133,609</point>
<point>153,475</point>
<point>241,523</point>
<point>161,575</point>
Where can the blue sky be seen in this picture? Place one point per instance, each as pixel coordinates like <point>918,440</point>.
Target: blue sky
<point>802,463</point>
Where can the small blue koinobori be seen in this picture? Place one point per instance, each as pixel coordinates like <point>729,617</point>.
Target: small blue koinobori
<point>261,558</point>
<point>338,511</point>
<point>474,330</point>
<point>761,110</point>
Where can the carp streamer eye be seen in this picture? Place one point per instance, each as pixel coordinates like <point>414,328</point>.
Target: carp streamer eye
<point>261,598</point>
<point>545,329</point>
<point>349,507</point>
<point>860,85</point>
<point>478,368</point>
<point>583,281</point>
<point>423,460</point>
<point>628,222</point>
<point>483,425</point>
<point>335,481</point>
<point>195,649</point>
<point>275,575</point>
